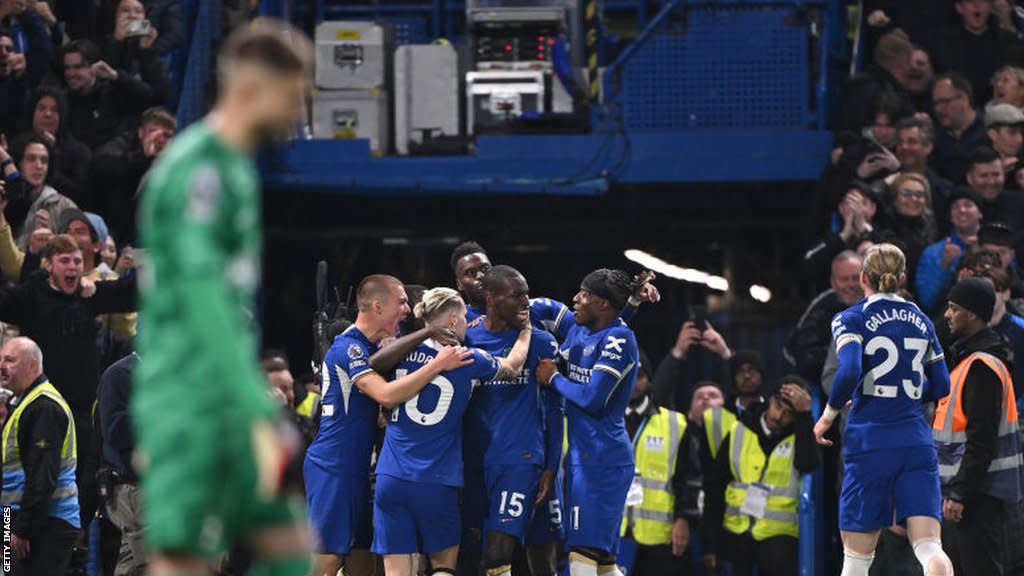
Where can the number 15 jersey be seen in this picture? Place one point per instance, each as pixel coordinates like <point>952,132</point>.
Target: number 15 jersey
<point>890,360</point>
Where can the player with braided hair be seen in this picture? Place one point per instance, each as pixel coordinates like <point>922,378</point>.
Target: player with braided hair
<point>601,356</point>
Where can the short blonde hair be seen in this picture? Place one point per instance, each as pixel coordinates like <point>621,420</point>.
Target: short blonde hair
<point>884,265</point>
<point>437,301</point>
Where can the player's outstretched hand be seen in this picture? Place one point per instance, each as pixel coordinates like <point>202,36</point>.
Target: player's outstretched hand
<point>820,429</point>
<point>453,357</point>
<point>547,480</point>
<point>648,293</point>
<point>545,371</point>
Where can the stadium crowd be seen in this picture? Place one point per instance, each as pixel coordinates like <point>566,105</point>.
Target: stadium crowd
<point>930,160</point>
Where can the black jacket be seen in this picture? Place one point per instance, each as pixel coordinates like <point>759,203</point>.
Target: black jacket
<point>41,432</point>
<point>864,89</point>
<point>976,57</point>
<point>688,481</point>
<point>982,404</point>
<point>911,235</point>
<point>120,164</point>
<point>808,345</point>
<point>115,418</point>
<point>718,477</point>
<point>110,107</point>
<point>951,156</point>
<point>64,327</point>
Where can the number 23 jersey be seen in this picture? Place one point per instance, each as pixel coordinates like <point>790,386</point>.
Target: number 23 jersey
<point>897,345</point>
<point>423,440</point>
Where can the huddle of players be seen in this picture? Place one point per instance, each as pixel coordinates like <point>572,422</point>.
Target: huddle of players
<point>505,396</point>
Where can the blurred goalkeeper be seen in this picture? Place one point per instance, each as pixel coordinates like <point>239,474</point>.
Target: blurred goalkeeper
<point>211,474</point>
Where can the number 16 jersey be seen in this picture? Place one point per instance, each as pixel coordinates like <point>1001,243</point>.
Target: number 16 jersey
<point>423,440</point>
<point>896,346</point>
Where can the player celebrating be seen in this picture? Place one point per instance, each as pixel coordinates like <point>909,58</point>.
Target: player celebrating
<point>890,361</point>
<point>337,466</point>
<point>515,439</point>
<point>416,501</point>
<point>211,472</point>
<point>602,357</point>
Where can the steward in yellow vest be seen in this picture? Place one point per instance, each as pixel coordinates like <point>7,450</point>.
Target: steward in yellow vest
<point>39,462</point>
<point>650,518</point>
<point>752,490</point>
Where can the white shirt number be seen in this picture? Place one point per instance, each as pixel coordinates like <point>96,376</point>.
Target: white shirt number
<point>884,344</point>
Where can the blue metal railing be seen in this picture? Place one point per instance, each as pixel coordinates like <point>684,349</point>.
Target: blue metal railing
<point>198,67</point>
<point>811,511</point>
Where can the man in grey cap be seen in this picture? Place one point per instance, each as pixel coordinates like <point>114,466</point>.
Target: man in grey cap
<point>1003,128</point>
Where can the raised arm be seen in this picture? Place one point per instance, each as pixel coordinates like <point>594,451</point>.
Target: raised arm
<point>511,366</point>
<point>390,394</point>
<point>387,358</point>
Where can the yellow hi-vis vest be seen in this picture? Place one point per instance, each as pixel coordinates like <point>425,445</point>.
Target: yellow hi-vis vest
<point>717,423</point>
<point>309,405</point>
<point>64,499</point>
<point>655,448</point>
<point>777,475</point>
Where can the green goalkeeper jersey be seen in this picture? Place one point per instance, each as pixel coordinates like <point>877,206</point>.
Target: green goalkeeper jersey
<point>200,221</point>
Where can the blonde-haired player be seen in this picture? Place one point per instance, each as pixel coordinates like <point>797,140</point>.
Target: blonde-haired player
<point>890,361</point>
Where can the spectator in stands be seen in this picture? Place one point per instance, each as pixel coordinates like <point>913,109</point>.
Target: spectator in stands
<point>692,461</point>
<point>109,254</point>
<point>31,38</point>
<point>282,385</point>
<point>857,212</point>
<point>1008,86</point>
<point>104,101</point>
<point>887,111</point>
<point>809,343</point>
<point>128,52</point>
<point>962,129</point>
<point>662,536</point>
<point>976,47</point>
<point>11,257</point>
<point>1001,238</point>
<point>1007,324</point>
<point>767,451</point>
<point>123,499</point>
<point>975,263</point>
<point>908,221</point>
<point>58,311</point>
<point>937,266</point>
<point>889,73</point>
<point>985,176</point>
<point>123,162</point>
<point>668,385</point>
<point>47,116</point>
<point>1003,124</point>
<point>13,86</point>
<point>914,146</point>
<point>920,78</point>
<point>32,154</point>
<point>39,466</point>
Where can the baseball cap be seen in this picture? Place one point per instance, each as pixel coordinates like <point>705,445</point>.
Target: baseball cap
<point>1003,115</point>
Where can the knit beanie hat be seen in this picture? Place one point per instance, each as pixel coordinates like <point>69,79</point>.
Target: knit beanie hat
<point>974,295</point>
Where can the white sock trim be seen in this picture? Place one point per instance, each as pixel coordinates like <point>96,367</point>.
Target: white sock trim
<point>855,563</point>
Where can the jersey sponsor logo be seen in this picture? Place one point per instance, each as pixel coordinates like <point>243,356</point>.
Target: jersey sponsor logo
<point>615,344</point>
<point>355,351</point>
<point>610,355</point>
<point>588,350</point>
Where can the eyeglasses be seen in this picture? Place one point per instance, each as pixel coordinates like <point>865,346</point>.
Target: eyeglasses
<point>915,194</point>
